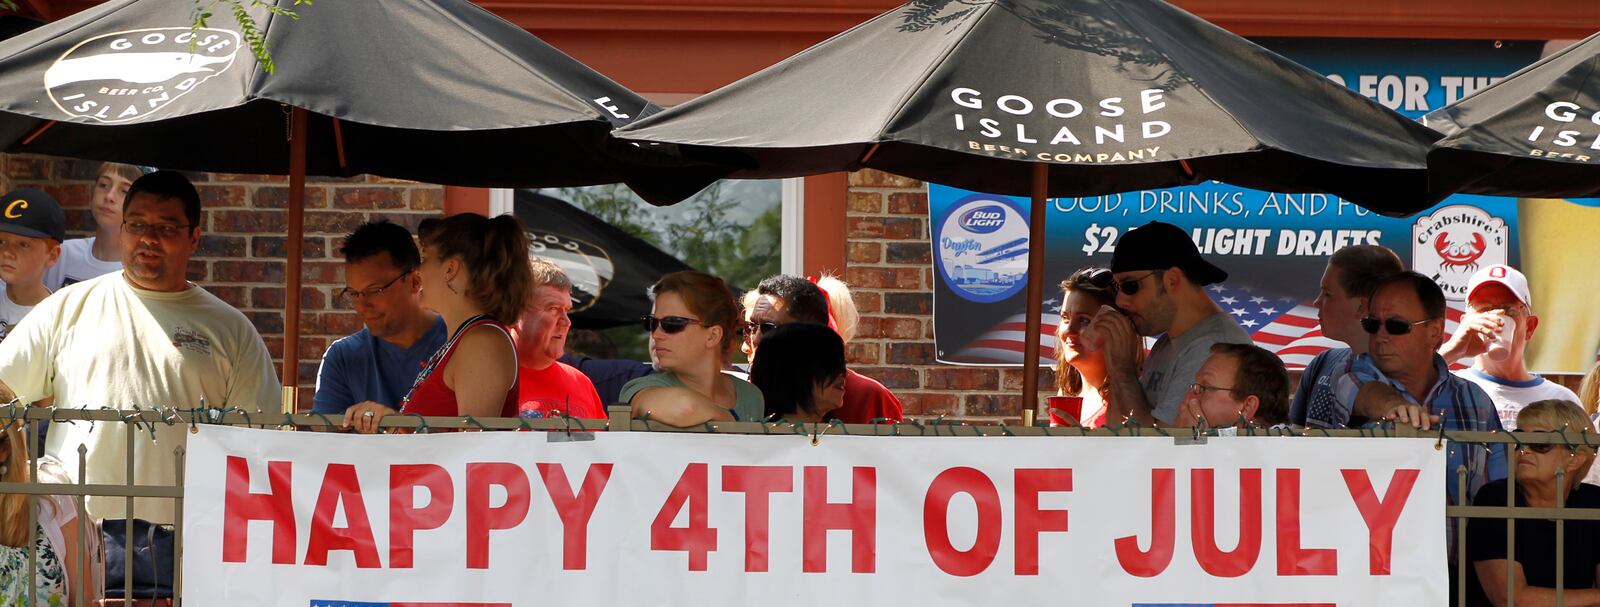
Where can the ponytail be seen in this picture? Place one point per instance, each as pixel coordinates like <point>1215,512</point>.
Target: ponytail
<point>495,253</point>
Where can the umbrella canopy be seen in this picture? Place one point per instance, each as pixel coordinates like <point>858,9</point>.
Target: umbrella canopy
<point>431,90</point>
<point>1534,134</point>
<point>610,269</point>
<point>1112,95</point>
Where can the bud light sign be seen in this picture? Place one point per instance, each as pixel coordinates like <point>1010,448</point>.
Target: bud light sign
<point>982,244</point>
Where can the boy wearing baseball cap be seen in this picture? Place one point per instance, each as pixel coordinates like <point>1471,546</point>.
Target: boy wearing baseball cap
<point>1494,333</point>
<point>32,226</point>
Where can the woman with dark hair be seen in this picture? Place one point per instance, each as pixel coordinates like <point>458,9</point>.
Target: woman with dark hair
<point>692,332</point>
<point>800,370</point>
<point>1080,369</point>
<point>475,274</point>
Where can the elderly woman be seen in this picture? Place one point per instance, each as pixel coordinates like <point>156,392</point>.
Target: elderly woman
<point>800,372</point>
<point>475,274</point>
<point>62,572</point>
<point>1534,571</point>
<point>692,327</point>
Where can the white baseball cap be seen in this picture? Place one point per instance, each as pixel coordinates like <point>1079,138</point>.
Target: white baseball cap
<point>1503,275</point>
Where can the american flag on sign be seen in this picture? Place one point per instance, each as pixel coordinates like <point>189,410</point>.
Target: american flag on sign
<point>328,603</point>
<point>1283,325</point>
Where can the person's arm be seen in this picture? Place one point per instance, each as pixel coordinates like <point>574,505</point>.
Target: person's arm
<point>1377,400</point>
<point>1472,336</point>
<point>680,407</point>
<point>482,371</point>
<point>1301,401</point>
<point>1492,576</point>
<point>76,570</point>
<point>253,384</point>
<point>1121,345</point>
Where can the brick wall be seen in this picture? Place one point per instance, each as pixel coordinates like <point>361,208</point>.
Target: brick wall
<point>242,253</point>
<point>889,267</point>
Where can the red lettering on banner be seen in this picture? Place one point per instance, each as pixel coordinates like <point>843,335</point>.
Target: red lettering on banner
<point>1202,505</point>
<point>698,539</point>
<point>481,518</point>
<point>341,487</point>
<point>1163,530</point>
<point>1380,516</point>
<point>1031,521</point>
<point>757,483</point>
<point>1292,558</point>
<point>859,516</point>
<point>575,510</point>
<point>240,506</point>
<point>405,519</point>
<point>935,521</point>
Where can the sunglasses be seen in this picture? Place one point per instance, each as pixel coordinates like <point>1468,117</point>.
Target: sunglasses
<point>1130,286</point>
<point>753,330</point>
<point>1539,448</point>
<point>1394,326</point>
<point>670,324</point>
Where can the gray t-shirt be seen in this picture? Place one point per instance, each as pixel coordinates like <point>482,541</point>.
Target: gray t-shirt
<point>1172,363</point>
<point>749,406</point>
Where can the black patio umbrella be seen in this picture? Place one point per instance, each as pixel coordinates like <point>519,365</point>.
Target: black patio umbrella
<point>431,90</point>
<point>1054,97</point>
<point>610,269</point>
<point>1534,134</point>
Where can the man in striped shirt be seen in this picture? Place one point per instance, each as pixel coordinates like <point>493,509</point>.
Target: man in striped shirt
<point>1341,301</point>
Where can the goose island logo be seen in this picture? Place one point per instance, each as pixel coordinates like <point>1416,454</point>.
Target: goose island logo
<point>125,76</point>
<point>588,266</point>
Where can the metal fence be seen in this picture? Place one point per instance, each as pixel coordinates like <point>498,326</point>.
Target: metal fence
<point>143,422</point>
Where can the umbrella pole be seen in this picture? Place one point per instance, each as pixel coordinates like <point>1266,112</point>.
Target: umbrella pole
<point>1036,235</point>
<point>291,296</point>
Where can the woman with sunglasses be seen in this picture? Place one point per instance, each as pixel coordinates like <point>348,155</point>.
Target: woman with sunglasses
<point>1533,573</point>
<point>475,274</point>
<point>692,332</point>
<point>1081,370</point>
<point>62,575</point>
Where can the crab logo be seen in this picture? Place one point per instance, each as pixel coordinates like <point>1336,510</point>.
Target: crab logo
<point>1452,243</point>
<point>588,266</point>
<point>126,76</point>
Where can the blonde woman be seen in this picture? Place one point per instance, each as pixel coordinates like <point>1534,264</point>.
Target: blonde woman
<point>62,572</point>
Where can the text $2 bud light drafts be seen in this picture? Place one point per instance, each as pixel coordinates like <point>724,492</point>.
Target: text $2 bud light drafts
<point>285,518</point>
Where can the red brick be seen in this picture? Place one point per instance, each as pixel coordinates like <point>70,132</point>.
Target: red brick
<point>908,203</point>
<point>893,378</point>
<point>333,222</point>
<point>27,168</point>
<point>230,271</point>
<point>268,298</point>
<point>234,296</point>
<point>908,303</point>
<point>863,227</point>
<point>274,345</point>
<point>219,196</point>
<point>927,404</point>
<point>865,202</point>
<point>370,178</point>
<point>1011,380</point>
<point>904,228</point>
<point>198,271</point>
<point>338,323</point>
<point>867,302</point>
<point>917,353</point>
<point>901,328</point>
<point>409,221</point>
<point>864,252</point>
<point>427,199</point>
<point>369,198</point>
<point>248,178</point>
<point>80,222</point>
<point>884,278</point>
<point>322,272</point>
<point>312,348</point>
<point>909,252</point>
<point>992,405</point>
<point>879,179</point>
<point>267,322</point>
<point>212,245</point>
<point>268,222</point>
<point>277,197</point>
<point>864,353</point>
<point>276,247</point>
<point>312,298</point>
<point>70,196</point>
<point>961,378</point>
<point>308,374</point>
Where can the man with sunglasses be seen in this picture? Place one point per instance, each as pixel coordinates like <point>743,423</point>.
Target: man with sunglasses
<point>1160,279</point>
<point>1495,334</point>
<point>785,299</point>
<point>1341,303</point>
<point>380,362</point>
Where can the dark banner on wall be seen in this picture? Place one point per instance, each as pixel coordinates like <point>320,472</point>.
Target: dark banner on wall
<point>1273,245</point>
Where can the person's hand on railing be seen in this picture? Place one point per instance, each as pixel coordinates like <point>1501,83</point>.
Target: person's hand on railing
<point>364,417</point>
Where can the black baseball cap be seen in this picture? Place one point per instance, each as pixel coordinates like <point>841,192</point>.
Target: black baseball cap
<point>1158,246</point>
<point>32,213</point>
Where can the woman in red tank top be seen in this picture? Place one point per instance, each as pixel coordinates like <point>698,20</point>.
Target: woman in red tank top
<point>475,274</point>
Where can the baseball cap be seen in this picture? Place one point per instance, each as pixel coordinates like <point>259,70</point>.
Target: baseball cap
<point>1503,275</point>
<point>1158,246</point>
<point>32,213</point>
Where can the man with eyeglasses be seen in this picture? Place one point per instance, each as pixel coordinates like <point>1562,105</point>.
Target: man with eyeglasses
<point>144,337</point>
<point>1495,334</point>
<point>1239,384</point>
<point>785,299</point>
<point>1160,279</point>
<point>380,362</point>
<point>1341,303</point>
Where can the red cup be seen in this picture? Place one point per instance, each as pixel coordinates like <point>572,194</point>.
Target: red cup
<point>1063,406</point>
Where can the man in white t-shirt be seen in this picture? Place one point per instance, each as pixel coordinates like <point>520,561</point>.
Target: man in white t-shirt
<point>1495,333</point>
<point>85,258</point>
<point>145,337</point>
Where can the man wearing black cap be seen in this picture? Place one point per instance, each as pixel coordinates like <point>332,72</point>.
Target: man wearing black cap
<point>1160,280</point>
<point>32,226</point>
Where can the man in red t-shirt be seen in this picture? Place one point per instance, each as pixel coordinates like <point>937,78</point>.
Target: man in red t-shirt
<point>546,386</point>
<point>783,299</point>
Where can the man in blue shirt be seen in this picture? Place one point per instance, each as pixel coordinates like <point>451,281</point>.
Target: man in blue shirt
<point>380,362</point>
<point>1341,302</point>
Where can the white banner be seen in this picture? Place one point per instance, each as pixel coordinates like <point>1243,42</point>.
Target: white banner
<point>313,519</point>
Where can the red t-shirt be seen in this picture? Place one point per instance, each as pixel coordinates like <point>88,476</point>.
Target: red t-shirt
<point>866,401</point>
<point>559,387</point>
